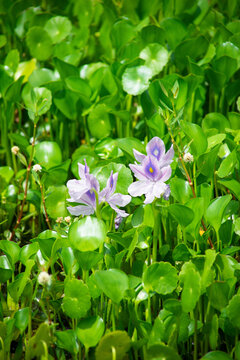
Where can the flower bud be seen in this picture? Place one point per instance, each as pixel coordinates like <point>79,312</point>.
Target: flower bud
<point>59,220</point>
<point>188,157</point>
<point>37,168</point>
<point>15,150</point>
<point>67,219</point>
<point>44,278</point>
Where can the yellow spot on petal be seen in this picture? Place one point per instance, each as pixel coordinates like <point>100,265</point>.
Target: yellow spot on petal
<point>151,170</point>
<point>201,232</point>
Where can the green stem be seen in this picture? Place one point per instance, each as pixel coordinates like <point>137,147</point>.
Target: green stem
<point>113,317</point>
<point>195,335</point>
<point>156,232</point>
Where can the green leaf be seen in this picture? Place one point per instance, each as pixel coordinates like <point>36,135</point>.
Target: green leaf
<point>215,140</point>
<point>228,164</point>
<point>119,340</point>
<point>216,355</point>
<point>182,214</point>
<point>6,172</point>
<point>113,283</point>
<point>232,185</point>
<point>56,201</point>
<point>233,311</point>
<point>22,318</point>
<point>190,278</point>
<point>155,56</point>
<point>28,251</point>
<point>215,211</point>
<point>159,95</point>
<point>213,336</point>
<point>207,161</point>
<point>76,301</point>
<point>196,136</point>
<point>89,331</point>
<point>87,234</point>
<point>180,190</point>
<point>88,259</point>
<point>67,340</point>
<point>162,352</point>
<point>128,144</point>
<point>98,122</point>
<point>11,249</point>
<point>5,269</point>
<point>218,293</point>
<point>181,253</point>
<point>58,28</point>
<point>39,43</point>
<point>37,100</point>
<point>135,80</point>
<point>160,277</point>
<point>216,121</point>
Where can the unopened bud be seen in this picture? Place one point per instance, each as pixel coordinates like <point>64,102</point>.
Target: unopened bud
<point>15,150</point>
<point>59,220</point>
<point>44,278</point>
<point>37,168</point>
<point>67,219</point>
<point>188,157</point>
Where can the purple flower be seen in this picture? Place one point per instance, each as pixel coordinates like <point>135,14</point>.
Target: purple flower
<point>156,148</point>
<point>84,192</point>
<point>152,172</point>
<point>112,199</point>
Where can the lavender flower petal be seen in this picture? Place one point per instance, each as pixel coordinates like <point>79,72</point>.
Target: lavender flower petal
<point>167,158</point>
<point>80,210</point>
<point>76,189</point>
<point>138,171</point>
<point>156,148</point>
<point>120,200</point>
<point>166,172</point>
<point>139,188</point>
<point>83,170</point>
<point>122,213</point>
<point>138,156</point>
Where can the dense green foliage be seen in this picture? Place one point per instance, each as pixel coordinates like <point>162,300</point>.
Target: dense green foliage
<point>92,80</point>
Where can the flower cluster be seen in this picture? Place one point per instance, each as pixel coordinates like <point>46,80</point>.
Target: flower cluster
<point>87,193</point>
<point>152,172</point>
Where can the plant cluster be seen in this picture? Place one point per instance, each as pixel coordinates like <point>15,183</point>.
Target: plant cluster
<point>119,179</point>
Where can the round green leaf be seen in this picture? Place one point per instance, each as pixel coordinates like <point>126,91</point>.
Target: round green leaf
<point>215,211</point>
<point>155,56</point>
<point>27,251</point>
<point>98,122</point>
<point>87,259</point>
<point>87,234</point>
<point>58,28</point>
<point>113,283</point>
<point>39,43</point>
<point>162,352</point>
<point>135,80</point>
<point>48,154</point>
<point>90,330</point>
<point>56,201</point>
<point>216,355</point>
<point>117,339</point>
<point>160,277</point>
<point>76,301</point>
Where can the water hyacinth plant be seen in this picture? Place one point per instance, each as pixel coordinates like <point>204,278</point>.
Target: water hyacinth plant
<point>119,180</point>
